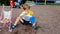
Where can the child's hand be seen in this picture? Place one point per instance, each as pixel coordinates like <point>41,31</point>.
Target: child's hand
<point>6,20</point>
<point>3,7</point>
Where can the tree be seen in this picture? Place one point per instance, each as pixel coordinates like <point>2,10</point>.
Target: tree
<point>6,2</point>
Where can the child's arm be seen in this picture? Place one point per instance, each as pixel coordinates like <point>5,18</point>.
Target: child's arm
<point>3,7</point>
<point>22,14</point>
<point>2,10</point>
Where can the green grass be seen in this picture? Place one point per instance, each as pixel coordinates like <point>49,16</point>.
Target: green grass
<point>0,4</point>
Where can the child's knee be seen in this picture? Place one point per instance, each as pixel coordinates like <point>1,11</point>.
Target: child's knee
<point>18,17</point>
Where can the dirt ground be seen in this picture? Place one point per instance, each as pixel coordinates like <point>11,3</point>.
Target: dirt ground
<point>48,17</point>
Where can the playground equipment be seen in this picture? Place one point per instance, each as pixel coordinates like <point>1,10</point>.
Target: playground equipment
<point>6,18</point>
<point>41,2</point>
<point>46,2</point>
<point>57,2</point>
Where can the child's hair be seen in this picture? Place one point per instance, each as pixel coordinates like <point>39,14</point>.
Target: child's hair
<point>26,6</point>
<point>11,0</point>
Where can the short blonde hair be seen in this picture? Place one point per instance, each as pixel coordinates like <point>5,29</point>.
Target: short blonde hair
<point>26,6</point>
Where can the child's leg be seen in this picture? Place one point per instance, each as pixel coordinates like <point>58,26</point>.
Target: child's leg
<point>17,20</point>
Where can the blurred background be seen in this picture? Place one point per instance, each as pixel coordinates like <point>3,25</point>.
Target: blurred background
<point>39,2</point>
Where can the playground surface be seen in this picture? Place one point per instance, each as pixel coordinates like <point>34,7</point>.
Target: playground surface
<point>48,17</point>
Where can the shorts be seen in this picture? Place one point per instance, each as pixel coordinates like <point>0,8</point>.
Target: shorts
<point>26,22</point>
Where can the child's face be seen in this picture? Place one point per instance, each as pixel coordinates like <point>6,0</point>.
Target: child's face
<point>27,9</point>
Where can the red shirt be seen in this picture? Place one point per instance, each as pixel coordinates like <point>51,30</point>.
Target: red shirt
<point>12,3</point>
